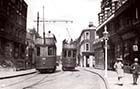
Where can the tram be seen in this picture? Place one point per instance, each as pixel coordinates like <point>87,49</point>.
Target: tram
<point>45,54</point>
<point>68,56</point>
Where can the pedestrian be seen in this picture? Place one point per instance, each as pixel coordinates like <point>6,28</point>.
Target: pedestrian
<point>135,67</point>
<point>119,69</point>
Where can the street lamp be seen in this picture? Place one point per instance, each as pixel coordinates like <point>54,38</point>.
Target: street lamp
<point>105,33</point>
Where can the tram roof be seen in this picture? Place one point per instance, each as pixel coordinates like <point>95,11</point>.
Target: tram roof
<point>69,46</point>
<point>44,45</point>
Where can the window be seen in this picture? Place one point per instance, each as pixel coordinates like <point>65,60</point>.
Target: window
<point>87,47</point>
<point>87,35</point>
<point>13,1</point>
<point>74,53</point>
<point>50,51</point>
<point>8,9</point>
<point>65,53</point>
<point>38,51</point>
<point>69,53</point>
<point>1,3</point>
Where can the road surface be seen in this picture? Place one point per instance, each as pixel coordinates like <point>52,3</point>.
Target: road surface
<point>78,79</point>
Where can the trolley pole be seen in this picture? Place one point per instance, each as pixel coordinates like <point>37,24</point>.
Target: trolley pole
<point>44,27</point>
<point>105,33</point>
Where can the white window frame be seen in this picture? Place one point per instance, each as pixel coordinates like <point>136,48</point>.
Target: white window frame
<point>88,47</point>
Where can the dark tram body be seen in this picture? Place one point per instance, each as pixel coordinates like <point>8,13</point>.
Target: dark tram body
<point>45,58</point>
<point>68,56</point>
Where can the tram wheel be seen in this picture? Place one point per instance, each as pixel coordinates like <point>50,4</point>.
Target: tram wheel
<point>54,69</point>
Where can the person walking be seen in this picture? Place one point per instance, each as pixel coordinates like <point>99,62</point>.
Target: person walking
<point>135,67</point>
<point>119,69</point>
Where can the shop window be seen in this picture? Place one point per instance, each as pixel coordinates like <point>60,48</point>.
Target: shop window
<point>126,49</point>
<point>126,46</point>
<point>117,48</point>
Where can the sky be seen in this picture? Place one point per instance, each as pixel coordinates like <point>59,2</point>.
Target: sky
<point>81,12</point>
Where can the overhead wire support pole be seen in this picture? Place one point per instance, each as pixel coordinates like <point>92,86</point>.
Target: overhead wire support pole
<point>38,22</point>
<point>52,21</point>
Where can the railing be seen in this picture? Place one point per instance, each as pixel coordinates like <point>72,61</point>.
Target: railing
<point>109,10</point>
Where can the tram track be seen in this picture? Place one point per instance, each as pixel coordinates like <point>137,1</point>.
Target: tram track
<point>103,79</point>
<point>28,79</point>
<point>18,82</point>
<point>42,81</point>
<point>36,83</point>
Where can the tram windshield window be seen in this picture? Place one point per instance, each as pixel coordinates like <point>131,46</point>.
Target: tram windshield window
<point>74,53</point>
<point>65,53</point>
<point>43,51</point>
<point>50,51</point>
<point>38,51</point>
<point>69,53</point>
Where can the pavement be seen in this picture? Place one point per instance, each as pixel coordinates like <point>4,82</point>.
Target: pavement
<point>112,81</point>
<point>10,73</point>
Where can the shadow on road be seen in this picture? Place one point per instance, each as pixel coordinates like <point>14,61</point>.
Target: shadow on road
<point>75,70</point>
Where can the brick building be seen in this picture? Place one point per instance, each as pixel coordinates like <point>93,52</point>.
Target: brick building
<point>13,15</point>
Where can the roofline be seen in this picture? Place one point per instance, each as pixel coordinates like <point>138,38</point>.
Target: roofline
<point>88,29</point>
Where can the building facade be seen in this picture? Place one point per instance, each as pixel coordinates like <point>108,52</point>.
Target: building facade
<point>85,47</point>
<point>122,19</point>
<point>30,48</point>
<point>13,14</point>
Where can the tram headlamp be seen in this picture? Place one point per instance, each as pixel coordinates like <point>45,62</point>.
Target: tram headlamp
<point>43,58</point>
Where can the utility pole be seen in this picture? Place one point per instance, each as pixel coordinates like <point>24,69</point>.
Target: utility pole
<point>105,33</point>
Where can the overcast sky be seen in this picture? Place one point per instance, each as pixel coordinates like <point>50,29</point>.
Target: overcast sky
<point>81,12</point>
